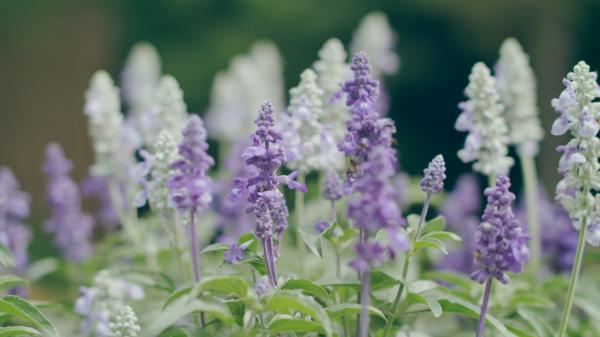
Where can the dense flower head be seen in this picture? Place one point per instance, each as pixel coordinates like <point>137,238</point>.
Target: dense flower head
<point>333,186</point>
<point>140,77</point>
<point>365,129</point>
<point>578,114</point>
<point>434,176</point>
<point>376,38</point>
<point>308,143</point>
<point>71,227</point>
<point>517,88</point>
<point>102,302</point>
<point>332,70</point>
<point>14,208</point>
<point>267,203</point>
<point>461,210</point>
<point>501,246</point>
<point>125,324</point>
<point>375,208</point>
<point>239,90</point>
<point>481,117</point>
<point>191,186</point>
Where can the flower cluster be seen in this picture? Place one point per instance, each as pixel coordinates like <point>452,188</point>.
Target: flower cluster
<point>14,208</point>
<point>100,303</point>
<point>434,176</point>
<point>71,227</point>
<point>578,114</point>
<point>190,186</point>
<point>332,70</point>
<point>517,89</point>
<point>501,246</point>
<point>376,38</point>
<point>125,324</point>
<point>308,143</point>
<point>333,186</point>
<point>481,116</point>
<point>237,92</point>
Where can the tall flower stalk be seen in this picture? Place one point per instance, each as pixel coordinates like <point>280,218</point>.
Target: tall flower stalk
<point>432,183</point>
<point>487,142</point>
<point>267,203</point>
<point>517,88</point>
<point>578,115</point>
<point>501,246</point>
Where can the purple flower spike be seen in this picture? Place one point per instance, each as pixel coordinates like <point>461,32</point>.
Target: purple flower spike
<point>501,246</point>
<point>14,208</point>
<point>333,187</point>
<point>191,186</point>
<point>434,176</point>
<point>363,90</point>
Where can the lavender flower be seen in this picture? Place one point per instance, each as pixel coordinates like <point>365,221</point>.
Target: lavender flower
<point>234,254</point>
<point>501,246</point>
<point>434,176</point>
<point>72,228</point>
<point>461,209</point>
<point>579,161</point>
<point>366,129</point>
<point>481,116</point>
<point>267,203</point>
<point>14,208</point>
<point>97,187</point>
<point>333,186</point>
<point>190,186</point>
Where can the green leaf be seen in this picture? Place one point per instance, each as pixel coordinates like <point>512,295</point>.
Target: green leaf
<point>215,247</point>
<point>149,278</point>
<point>381,280</point>
<point>40,268</point>
<point>286,323</point>
<point>179,293</point>
<point>6,258</point>
<point>22,309</point>
<point>436,224</point>
<point>530,299</point>
<point>313,242</point>
<point>351,309</point>
<point>285,301</point>
<point>457,279</point>
<point>542,329</point>
<point>250,240</point>
<point>413,222</point>
<point>10,331</point>
<point>425,242</point>
<point>185,306</point>
<point>308,287</point>
<point>429,300</point>
<point>227,284</point>
<point>11,281</point>
<point>442,235</point>
<point>175,331</point>
<point>257,263</point>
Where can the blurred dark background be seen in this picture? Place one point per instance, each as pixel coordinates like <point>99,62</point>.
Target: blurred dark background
<point>49,49</point>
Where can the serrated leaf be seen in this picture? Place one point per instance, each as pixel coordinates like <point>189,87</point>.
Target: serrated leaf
<point>286,323</point>
<point>285,301</point>
<point>10,331</point>
<point>6,258</point>
<point>185,306</point>
<point>11,281</point>
<point>22,309</point>
<point>308,287</point>
<point>351,309</point>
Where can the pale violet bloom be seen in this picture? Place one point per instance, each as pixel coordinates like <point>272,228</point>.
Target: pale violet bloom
<point>481,116</point>
<point>578,115</point>
<point>307,142</point>
<point>240,90</point>
<point>517,88</point>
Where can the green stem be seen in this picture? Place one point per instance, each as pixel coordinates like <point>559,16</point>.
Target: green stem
<point>299,209</point>
<point>564,321</point>
<point>126,218</point>
<point>530,180</point>
<point>396,303</point>
<point>491,179</point>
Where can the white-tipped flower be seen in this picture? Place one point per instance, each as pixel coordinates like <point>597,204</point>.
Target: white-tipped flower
<point>517,87</point>
<point>578,114</point>
<point>481,116</point>
<point>332,70</point>
<point>238,92</point>
<point>105,122</point>
<point>140,77</point>
<point>305,139</point>
<point>125,324</point>
<point>167,111</point>
<point>376,38</point>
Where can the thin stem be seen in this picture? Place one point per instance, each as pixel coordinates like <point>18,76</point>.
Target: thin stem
<point>396,303</point>
<point>564,321</point>
<point>270,264</point>
<point>195,256</point>
<point>484,306</point>
<point>299,209</point>
<point>491,179</point>
<point>530,177</point>
<point>363,323</point>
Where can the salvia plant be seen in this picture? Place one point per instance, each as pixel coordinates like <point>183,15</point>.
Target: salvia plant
<point>275,219</point>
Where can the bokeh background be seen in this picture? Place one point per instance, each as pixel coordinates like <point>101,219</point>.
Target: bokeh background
<point>49,49</point>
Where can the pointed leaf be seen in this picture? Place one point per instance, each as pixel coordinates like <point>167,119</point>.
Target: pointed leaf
<point>351,309</point>
<point>11,281</point>
<point>308,287</point>
<point>285,302</point>
<point>22,309</point>
<point>10,331</point>
<point>286,323</point>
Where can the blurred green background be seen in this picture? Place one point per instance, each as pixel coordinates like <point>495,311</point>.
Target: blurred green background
<point>49,49</point>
